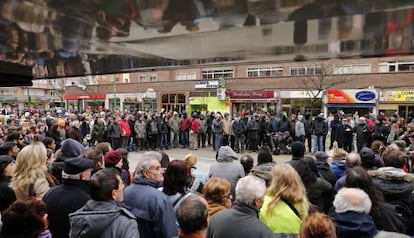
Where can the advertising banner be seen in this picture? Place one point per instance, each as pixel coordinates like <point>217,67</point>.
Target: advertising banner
<point>397,96</point>
<point>345,96</point>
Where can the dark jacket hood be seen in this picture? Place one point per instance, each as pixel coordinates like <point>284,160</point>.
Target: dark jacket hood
<point>354,224</point>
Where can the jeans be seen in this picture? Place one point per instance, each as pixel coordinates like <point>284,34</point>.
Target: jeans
<point>163,140</point>
<point>174,137</point>
<point>218,140</point>
<point>319,143</point>
<point>185,138</point>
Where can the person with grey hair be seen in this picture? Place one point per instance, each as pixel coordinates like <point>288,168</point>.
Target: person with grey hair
<point>351,215</point>
<point>75,132</point>
<point>153,209</point>
<point>351,160</point>
<point>242,220</point>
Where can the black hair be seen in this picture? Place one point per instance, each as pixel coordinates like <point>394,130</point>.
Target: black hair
<point>47,141</point>
<point>6,147</point>
<point>102,183</point>
<point>307,170</point>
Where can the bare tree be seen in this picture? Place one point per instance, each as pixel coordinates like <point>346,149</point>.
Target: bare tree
<point>93,85</point>
<point>59,86</point>
<point>318,77</point>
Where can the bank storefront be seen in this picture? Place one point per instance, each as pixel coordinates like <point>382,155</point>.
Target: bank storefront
<point>350,100</point>
<point>400,101</point>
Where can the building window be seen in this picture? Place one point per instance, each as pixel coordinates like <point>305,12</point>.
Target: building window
<point>6,92</point>
<point>352,69</point>
<point>396,66</point>
<point>142,78</point>
<point>53,93</point>
<point>126,80</point>
<point>152,78</point>
<point>216,74</point>
<point>186,76</point>
<point>264,72</point>
<point>309,70</point>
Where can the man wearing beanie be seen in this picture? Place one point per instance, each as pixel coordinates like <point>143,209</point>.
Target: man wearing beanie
<point>113,159</point>
<point>226,168</point>
<point>264,166</point>
<point>298,152</point>
<point>68,197</point>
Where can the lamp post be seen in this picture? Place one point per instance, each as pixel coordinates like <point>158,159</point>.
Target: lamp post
<point>114,100</point>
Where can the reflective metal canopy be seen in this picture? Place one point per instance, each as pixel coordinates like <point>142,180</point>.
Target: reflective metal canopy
<point>61,38</point>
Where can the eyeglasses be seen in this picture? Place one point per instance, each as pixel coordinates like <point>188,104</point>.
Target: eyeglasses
<point>229,196</point>
<point>21,138</point>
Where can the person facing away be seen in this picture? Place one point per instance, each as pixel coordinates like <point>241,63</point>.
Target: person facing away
<point>68,197</point>
<point>192,216</point>
<point>153,209</point>
<point>242,220</point>
<point>102,216</point>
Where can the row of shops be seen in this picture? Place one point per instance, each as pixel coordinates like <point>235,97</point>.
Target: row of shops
<point>330,101</point>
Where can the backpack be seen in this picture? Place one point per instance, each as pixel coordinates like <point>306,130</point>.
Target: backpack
<point>238,127</point>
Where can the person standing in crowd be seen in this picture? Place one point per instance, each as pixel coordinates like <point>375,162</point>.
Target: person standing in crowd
<point>102,216</point>
<point>307,123</point>
<point>153,209</point>
<point>226,167</point>
<point>217,193</point>
<point>226,129</point>
<point>185,125</point>
<point>324,169</point>
<point>7,195</point>
<point>320,130</point>
<point>29,178</point>
<point>192,216</point>
<point>285,204</point>
<point>25,218</point>
<point>131,140</point>
<point>125,132</point>
<point>239,130</point>
<point>153,132</point>
<point>217,130</point>
<point>253,130</point>
<point>344,135</point>
<point>140,128</point>
<point>203,131</point>
<point>174,125</point>
<point>85,129</point>
<point>113,132</point>
<point>163,129</point>
<point>194,131</point>
<point>242,219</point>
<point>298,152</point>
<point>300,130</point>
<point>264,166</point>
<point>113,159</point>
<point>363,133</point>
<point>98,131</point>
<point>74,131</point>
<point>68,197</point>
<point>210,134</point>
<point>334,125</point>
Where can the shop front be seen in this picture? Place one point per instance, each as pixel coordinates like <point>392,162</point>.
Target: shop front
<point>252,101</point>
<point>8,102</point>
<point>351,100</point>
<point>85,102</point>
<point>400,101</point>
<point>300,102</point>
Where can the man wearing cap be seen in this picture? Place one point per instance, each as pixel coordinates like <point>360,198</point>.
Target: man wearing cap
<point>155,212</point>
<point>68,197</point>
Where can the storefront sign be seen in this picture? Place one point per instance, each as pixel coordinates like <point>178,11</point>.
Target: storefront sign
<point>351,96</point>
<point>150,93</point>
<point>76,97</point>
<point>397,96</point>
<point>207,84</point>
<point>251,94</point>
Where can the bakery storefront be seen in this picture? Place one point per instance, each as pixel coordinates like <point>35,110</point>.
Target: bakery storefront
<point>252,101</point>
<point>400,101</point>
<point>351,100</point>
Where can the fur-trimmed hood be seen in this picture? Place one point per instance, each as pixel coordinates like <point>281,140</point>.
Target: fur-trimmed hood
<point>391,174</point>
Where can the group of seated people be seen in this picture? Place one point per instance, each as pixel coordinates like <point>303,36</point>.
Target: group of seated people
<point>92,193</point>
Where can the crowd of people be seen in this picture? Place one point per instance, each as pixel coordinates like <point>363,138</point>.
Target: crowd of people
<point>69,176</point>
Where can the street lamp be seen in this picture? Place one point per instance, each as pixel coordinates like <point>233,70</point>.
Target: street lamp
<point>114,100</point>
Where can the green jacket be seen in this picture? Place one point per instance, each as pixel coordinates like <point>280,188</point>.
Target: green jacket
<point>282,219</point>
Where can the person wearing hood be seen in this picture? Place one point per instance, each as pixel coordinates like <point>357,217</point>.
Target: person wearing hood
<point>185,125</point>
<point>307,123</point>
<point>226,167</point>
<point>351,215</point>
<point>102,216</point>
<point>344,135</point>
<point>334,125</point>
<point>324,169</point>
<point>264,166</point>
<point>217,129</point>
<point>320,130</point>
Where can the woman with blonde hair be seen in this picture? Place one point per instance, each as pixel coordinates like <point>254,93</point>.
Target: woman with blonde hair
<point>285,204</point>
<point>29,178</point>
<point>217,193</point>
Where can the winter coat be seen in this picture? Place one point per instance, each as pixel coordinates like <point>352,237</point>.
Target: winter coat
<point>162,127</point>
<point>140,129</point>
<point>75,133</point>
<point>124,128</point>
<point>320,126</point>
<point>174,124</point>
<point>185,124</point>
<point>195,126</point>
<point>363,133</point>
<point>7,195</point>
<point>320,194</point>
<point>203,125</point>
<point>113,130</point>
<point>103,219</point>
<point>148,203</point>
<point>324,169</point>
<point>63,200</point>
<point>282,219</point>
<point>299,129</point>
<point>226,126</point>
<point>338,167</point>
<point>253,128</point>
<point>240,221</point>
<point>354,224</point>
<point>98,132</point>
<point>217,127</point>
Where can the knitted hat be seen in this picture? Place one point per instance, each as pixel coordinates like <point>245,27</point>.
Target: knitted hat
<point>298,149</point>
<point>77,165</point>
<point>112,158</point>
<point>264,156</point>
<point>71,148</point>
